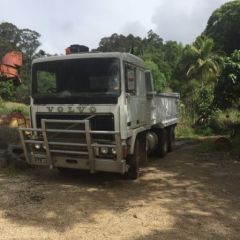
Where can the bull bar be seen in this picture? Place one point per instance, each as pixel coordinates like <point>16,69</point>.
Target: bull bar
<point>56,157</point>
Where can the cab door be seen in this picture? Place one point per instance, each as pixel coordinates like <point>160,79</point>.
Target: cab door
<point>142,95</point>
<point>135,96</point>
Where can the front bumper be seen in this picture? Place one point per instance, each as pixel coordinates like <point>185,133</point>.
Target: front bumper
<point>65,154</point>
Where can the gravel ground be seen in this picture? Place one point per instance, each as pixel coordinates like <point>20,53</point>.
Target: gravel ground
<point>187,195</point>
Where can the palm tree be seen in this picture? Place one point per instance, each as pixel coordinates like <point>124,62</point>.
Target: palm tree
<point>206,66</point>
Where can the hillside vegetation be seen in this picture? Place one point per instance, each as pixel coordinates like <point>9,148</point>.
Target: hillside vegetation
<point>206,73</point>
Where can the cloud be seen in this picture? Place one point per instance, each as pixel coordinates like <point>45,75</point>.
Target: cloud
<point>62,23</point>
<point>136,28</point>
<point>183,20</point>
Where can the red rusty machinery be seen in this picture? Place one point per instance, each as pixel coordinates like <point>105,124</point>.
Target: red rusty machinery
<point>9,67</point>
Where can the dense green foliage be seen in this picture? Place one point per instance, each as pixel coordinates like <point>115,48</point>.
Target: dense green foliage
<point>223,27</point>
<point>26,41</point>
<point>227,90</point>
<point>159,78</point>
<point>202,72</point>
<point>205,65</point>
<point>206,73</point>
<point>8,107</point>
<point>159,56</point>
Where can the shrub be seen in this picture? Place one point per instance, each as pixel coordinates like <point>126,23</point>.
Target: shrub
<point>224,121</point>
<point>204,131</point>
<point>184,128</point>
<point>8,107</point>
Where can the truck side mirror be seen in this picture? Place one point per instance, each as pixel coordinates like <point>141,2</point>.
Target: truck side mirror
<point>149,84</point>
<point>127,95</point>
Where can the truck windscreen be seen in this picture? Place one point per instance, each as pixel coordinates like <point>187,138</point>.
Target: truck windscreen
<point>76,78</point>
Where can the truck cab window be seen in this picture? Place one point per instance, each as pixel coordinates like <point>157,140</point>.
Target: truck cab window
<point>130,78</point>
<point>47,82</point>
<point>73,78</point>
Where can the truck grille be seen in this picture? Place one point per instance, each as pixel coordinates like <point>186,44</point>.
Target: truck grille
<point>101,122</point>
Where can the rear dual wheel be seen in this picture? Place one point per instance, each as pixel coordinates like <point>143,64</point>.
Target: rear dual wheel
<point>166,141</point>
<point>171,138</point>
<point>162,145</point>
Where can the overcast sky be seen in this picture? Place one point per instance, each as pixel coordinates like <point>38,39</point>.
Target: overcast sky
<point>62,22</point>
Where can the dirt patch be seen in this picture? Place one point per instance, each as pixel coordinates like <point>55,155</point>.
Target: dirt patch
<point>187,195</point>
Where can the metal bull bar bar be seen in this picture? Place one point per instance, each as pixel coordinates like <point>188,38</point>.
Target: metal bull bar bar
<point>48,143</point>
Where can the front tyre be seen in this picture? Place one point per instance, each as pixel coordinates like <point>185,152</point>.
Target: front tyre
<point>143,149</point>
<point>133,162</point>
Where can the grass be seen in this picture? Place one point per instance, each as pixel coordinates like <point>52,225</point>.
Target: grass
<point>185,131</point>
<point>221,123</point>
<point>184,128</point>
<point>224,121</point>
<point>8,107</point>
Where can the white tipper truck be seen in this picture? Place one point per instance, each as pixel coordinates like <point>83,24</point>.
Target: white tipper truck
<point>97,111</point>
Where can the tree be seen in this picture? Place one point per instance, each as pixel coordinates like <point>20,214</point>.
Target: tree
<point>121,43</point>
<point>160,57</point>
<point>206,65</point>
<point>227,90</point>
<point>152,43</point>
<point>159,78</point>
<point>179,81</point>
<point>28,44</point>
<point>172,53</point>
<point>223,27</point>
<point>204,68</point>
<point>26,41</point>
<point>151,49</point>
<point>9,38</point>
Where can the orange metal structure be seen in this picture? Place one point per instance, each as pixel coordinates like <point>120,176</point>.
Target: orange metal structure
<point>9,66</point>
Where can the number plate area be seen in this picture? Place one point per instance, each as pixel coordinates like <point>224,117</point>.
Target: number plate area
<point>38,160</point>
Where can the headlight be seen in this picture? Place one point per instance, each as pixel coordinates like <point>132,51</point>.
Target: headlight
<point>114,152</point>
<point>37,146</point>
<point>104,150</point>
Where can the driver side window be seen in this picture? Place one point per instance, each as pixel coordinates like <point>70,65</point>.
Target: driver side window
<point>130,78</point>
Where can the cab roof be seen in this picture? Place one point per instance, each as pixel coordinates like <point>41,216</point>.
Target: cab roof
<point>123,56</point>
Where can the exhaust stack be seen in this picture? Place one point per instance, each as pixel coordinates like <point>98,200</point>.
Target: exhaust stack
<point>75,48</point>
